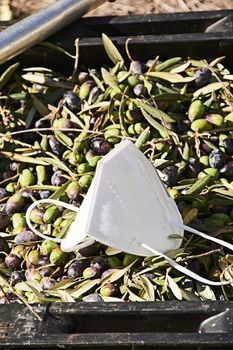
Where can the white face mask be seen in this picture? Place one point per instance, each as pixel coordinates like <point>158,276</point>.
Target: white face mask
<point>128,208</point>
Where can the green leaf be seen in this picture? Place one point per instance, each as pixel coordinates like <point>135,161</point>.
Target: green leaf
<point>96,80</point>
<point>39,106</point>
<point>168,63</point>
<point>111,50</point>
<point>56,48</point>
<point>60,191</point>
<point>161,129</point>
<point>22,158</point>
<point>58,164</point>
<point>199,185</point>
<point>143,138</point>
<point>110,79</point>
<point>6,76</point>
<point>64,139</point>
<point>171,77</point>
<point>185,157</point>
<point>74,118</point>
<point>154,112</point>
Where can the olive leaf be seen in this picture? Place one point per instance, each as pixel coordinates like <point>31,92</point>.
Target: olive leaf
<point>199,185</point>
<point>83,288</point>
<point>65,296</point>
<point>143,138</point>
<point>134,297</point>
<point>174,288</point>
<point>171,77</point>
<point>116,274</point>
<point>110,79</point>
<point>209,88</point>
<point>6,76</point>
<point>39,106</point>
<point>23,159</point>
<point>154,112</point>
<point>168,63</point>
<point>111,50</point>
<point>58,164</point>
<point>64,139</point>
<point>180,68</point>
<point>112,251</point>
<point>161,129</point>
<point>148,287</point>
<point>61,190</point>
<point>190,215</point>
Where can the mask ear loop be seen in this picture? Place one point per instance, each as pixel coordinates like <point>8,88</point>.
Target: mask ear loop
<point>85,242</point>
<point>184,269</point>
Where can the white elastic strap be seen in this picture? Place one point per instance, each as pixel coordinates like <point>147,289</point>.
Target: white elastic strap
<point>185,270</point>
<point>51,201</point>
<point>204,235</point>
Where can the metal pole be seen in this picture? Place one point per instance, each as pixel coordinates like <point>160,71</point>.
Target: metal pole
<point>37,27</point>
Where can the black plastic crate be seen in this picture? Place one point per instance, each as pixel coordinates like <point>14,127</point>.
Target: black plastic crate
<point>166,35</point>
<point>157,325</point>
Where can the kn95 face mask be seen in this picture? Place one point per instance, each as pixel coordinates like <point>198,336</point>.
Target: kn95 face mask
<point>128,208</point>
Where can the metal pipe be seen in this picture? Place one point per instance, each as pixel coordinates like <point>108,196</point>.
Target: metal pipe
<point>38,26</point>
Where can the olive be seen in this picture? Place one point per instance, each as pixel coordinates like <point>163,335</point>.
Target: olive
<point>100,146</point>
<point>217,159</point>
<point>76,269</point>
<point>202,76</point>
<point>13,262</point>
<point>227,170</point>
<point>228,145</point>
<point>25,237</point>
<point>73,101</point>
<point>4,220</point>
<point>58,179</point>
<point>4,247</point>
<point>56,146</point>
<point>48,282</point>
<point>16,277</point>
<point>92,298</point>
<point>108,290</point>
<point>99,263</point>
<point>170,175</point>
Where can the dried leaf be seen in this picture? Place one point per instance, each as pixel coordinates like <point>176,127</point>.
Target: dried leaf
<point>112,251</point>
<point>174,288</point>
<point>181,68</point>
<point>149,288</point>
<point>190,215</point>
<point>84,287</point>
<point>209,88</point>
<point>117,274</point>
<point>65,296</point>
